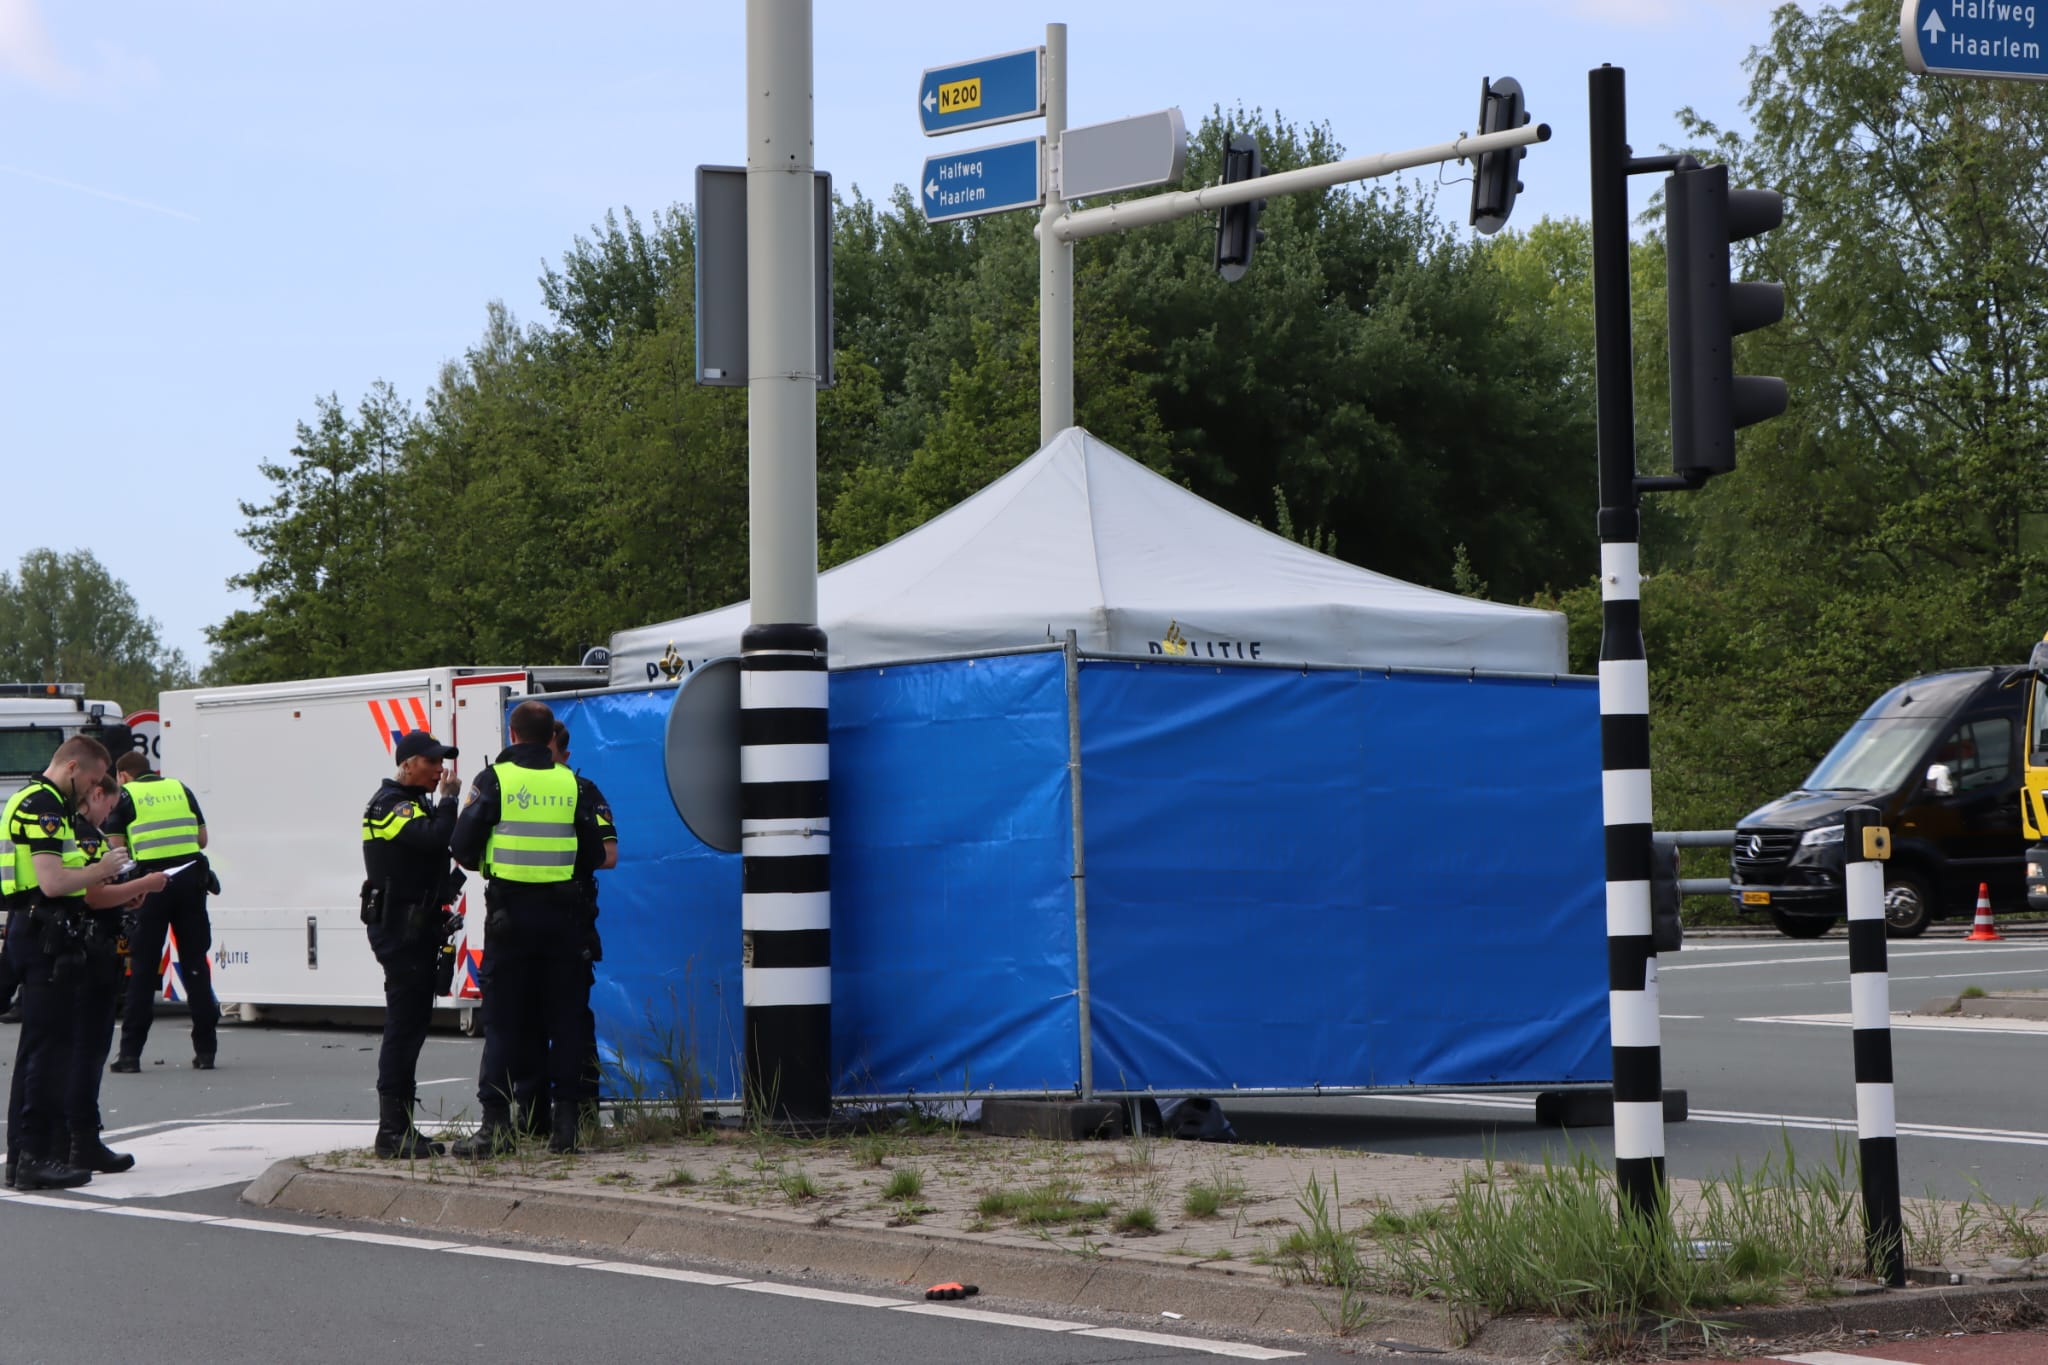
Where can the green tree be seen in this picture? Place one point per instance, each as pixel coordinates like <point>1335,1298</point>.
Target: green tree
<point>64,618</point>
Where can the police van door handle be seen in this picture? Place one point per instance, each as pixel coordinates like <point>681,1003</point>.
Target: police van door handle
<point>312,943</point>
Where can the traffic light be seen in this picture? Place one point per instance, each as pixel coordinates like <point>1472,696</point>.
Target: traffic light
<point>1496,179</point>
<point>1709,401</point>
<point>1237,227</point>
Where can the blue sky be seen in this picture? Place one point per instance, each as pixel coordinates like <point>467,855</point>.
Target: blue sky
<point>215,211</point>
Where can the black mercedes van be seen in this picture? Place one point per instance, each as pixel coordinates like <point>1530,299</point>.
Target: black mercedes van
<point>1940,757</point>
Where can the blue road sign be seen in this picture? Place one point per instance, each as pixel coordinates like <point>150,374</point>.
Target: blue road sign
<point>1000,89</point>
<point>1009,175</point>
<point>1991,38</point>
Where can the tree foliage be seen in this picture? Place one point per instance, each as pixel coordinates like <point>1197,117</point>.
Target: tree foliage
<point>64,618</point>
<point>1377,373</point>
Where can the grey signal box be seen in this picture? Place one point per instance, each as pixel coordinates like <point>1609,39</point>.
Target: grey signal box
<point>722,276</point>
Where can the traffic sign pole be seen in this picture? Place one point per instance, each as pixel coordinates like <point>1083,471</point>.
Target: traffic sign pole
<point>1055,260</point>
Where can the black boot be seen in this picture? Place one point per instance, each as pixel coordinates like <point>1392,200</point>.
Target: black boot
<point>42,1173</point>
<point>396,1137</point>
<point>91,1154</point>
<point>567,1128</point>
<point>493,1137</point>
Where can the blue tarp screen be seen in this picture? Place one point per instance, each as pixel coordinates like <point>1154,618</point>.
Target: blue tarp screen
<point>1294,879</point>
<point>1341,879</point>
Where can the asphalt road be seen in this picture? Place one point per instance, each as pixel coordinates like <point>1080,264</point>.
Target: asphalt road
<point>1748,1034</point>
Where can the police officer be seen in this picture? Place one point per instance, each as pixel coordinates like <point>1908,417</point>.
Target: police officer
<point>407,890</point>
<point>44,878</point>
<point>99,985</point>
<point>530,1086</point>
<point>159,822</point>
<point>523,827</point>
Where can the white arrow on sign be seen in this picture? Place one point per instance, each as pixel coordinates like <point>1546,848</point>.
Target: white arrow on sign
<point>931,101</point>
<point>1935,28</point>
<point>931,189</point>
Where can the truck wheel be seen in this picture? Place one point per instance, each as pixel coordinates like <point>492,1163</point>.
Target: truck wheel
<point>1907,905</point>
<point>469,1023</point>
<point>1801,926</point>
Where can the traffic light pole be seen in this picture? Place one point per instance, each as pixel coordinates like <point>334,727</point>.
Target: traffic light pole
<point>1634,1030</point>
<point>1059,229</point>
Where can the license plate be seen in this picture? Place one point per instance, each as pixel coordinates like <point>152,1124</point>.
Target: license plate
<point>1756,898</point>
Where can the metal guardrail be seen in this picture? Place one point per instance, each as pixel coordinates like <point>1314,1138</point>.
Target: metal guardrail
<point>1699,838</point>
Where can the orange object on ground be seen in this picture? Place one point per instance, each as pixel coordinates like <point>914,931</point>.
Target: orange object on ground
<point>1983,930</point>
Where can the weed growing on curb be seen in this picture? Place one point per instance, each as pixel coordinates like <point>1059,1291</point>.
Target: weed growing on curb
<point>907,1183</point>
<point>798,1186</point>
<point>1142,1221</point>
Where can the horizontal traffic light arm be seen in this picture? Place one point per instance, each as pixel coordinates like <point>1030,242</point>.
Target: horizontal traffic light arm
<point>1164,208</point>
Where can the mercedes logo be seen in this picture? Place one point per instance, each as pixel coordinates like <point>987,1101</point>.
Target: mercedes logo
<point>1754,847</point>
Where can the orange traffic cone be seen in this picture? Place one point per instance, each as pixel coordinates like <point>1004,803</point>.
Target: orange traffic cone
<point>1983,930</point>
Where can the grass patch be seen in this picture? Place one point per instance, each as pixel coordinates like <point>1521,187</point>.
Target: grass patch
<point>907,1183</point>
<point>1208,1198</point>
<point>798,1186</point>
<point>677,1178</point>
<point>1142,1221</point>
<point>1048,1205</point>
<point>871,1151</point>
<point>1387,1221</point>
<point>1974,993</point>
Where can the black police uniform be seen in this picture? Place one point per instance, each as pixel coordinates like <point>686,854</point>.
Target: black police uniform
<point>536,971</point>
<point>97,995</point>
<point>180,908</point>
<point>530,1084</point>
<point>409,885</point>
<point>37,1140</point>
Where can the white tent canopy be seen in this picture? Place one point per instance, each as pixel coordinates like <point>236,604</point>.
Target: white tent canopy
<point>1082,537</point>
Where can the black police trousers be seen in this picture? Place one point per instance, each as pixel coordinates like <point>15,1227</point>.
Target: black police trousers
<point>94,1004</point>
<point>42,1056</point>
<point>408,1010</point>
<point>180,908</point>
<point>536,979</point>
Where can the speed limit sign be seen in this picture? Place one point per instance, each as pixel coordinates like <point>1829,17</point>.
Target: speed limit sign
<point>148,735</point>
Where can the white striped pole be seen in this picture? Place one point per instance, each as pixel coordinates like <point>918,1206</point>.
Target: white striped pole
<point>1634,1031</point>
<point>785,882</point>
<point>1865,843</point>
<point>785,873</point>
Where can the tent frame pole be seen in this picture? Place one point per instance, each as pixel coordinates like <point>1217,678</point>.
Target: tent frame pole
<point>1072,653</point>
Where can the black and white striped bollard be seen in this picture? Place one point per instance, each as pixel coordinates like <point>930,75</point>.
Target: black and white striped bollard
<point>785,874</point>
<point>1865,845</point>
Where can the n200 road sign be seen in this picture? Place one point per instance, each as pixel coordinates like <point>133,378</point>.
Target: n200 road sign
<point>1989,38</point>
<point>1000,89</point>
<point>1009,175</point>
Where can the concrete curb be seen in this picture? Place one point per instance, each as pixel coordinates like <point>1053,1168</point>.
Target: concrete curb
<point>1213,1294</point>
<point>1221,1295</point>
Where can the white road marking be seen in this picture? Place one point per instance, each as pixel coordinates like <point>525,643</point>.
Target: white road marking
<point>1914,1023</point>
<point>444,1080</point>
<point>165,1215</point>
<point>245,1109</point>
<point>47,1201</point>
<point>1836,1358</point>
<point>515,1254</point>
<point>1681,1016</point>
<point>392,1239</point>
<point>947,1310</point>
<point>662,1272</point>
<point>204,1156</point>
<point>804,1291</point>
<point>1237,1349</point>
<point>260,1225</point>
<point>1896,954</point>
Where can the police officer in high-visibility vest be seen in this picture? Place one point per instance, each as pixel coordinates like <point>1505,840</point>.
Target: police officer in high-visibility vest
<point>407,892</point>
<point>529,1087</point>
<point>523,827</point>
<point>159,822</point>
<point>100,982</point>
<point>44,877</point>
